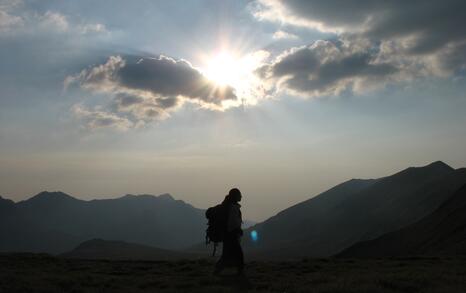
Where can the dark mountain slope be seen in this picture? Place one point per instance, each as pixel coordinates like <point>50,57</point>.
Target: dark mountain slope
<point>288,223</point>
<point>18,233</point>
<point>354,211</point>
<point>55,222</point>
<point>7,210</point>
<point>5,204</point>
<point>442,232</point>
<point>119,250</point>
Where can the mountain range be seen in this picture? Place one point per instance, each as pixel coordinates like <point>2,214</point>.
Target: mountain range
<point>55,222</point>
<point>417,210</point>
<point>354,211</point>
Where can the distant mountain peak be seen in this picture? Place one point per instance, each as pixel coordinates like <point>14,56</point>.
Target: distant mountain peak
<point>440,164</point>
<point>166,196</point>
<point>92,242</point>
<point>437,167</point>
<point>128,196</point>
<point>51,195</point>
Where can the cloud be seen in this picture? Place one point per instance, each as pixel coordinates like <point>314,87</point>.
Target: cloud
<point>102,77</point>
<point>377,18</point>
<point>167,77</point>
<point>124,101</point>
<point>40,46</point>
<point>8,21</point>
<point>148,89</point>
<point>9,5</point>
<point>383,41</point>
<point>279,35</point>
<point>16,18</point>
<point>95,119</point>
<point>53,21</point>
<point>326,68</point>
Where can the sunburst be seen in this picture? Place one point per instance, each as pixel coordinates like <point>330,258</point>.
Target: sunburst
<point>227,68</point>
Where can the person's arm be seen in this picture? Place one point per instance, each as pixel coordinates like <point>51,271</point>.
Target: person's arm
<point>234,219</point>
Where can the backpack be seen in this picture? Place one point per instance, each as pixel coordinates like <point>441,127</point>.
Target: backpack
<point>217,217</point>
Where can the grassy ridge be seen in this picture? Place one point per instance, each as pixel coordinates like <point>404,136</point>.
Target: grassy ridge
<point>43,273</point>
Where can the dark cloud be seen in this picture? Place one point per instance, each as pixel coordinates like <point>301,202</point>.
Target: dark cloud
<point>165,76</point>
<point>382,41</point>
<point>166,103</point>
<point>326,68</point>
<point>297,62</point>
<point>431,18</point>
<point>124,100</point>
<point>148,89</point>
<point>162,77</point>
<point>430,24</point>
<point>333,13</point>
<point>454,57</point>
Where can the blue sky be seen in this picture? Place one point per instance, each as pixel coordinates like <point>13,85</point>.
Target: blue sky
<point>281,99</point>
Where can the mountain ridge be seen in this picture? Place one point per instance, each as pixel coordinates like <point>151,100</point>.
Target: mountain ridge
<point>60,195</point>
<point>442,232</point>
<point>55,222</point>
<point>339,217</point>
<point>353,211</point>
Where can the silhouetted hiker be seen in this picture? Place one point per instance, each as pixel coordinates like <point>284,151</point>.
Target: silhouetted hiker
<point>225,226</point>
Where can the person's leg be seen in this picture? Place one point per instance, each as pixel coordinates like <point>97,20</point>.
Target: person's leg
<point>225,258</point>
<point>239,256</point>
<point>220,265</point>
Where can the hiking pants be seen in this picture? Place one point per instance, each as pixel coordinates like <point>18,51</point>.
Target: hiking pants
<point>232,253</point>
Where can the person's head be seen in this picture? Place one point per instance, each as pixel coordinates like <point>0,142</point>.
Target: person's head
<point>235,194</point>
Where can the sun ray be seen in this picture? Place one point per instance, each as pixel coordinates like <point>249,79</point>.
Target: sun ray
<point>227,68</point>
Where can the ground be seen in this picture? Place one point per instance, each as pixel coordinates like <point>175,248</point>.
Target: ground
<point>43,273</point>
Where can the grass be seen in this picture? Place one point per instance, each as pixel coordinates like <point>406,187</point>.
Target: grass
<point>43,273</point>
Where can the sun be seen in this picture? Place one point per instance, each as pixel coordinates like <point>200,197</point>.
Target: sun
<point>227,68</point>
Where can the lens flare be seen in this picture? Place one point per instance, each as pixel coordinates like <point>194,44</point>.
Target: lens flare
<point>254,235</point>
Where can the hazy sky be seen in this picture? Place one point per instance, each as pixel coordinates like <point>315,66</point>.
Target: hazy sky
<point>283,99</point>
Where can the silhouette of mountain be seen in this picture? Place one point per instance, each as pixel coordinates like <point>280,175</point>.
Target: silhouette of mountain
<point>7,213</point>
<point>55,222</point>
<point>5,202</point>
<point>441,233</point>
<point>120,250</point>
<point>354,211</point>
<point>6,205</point>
